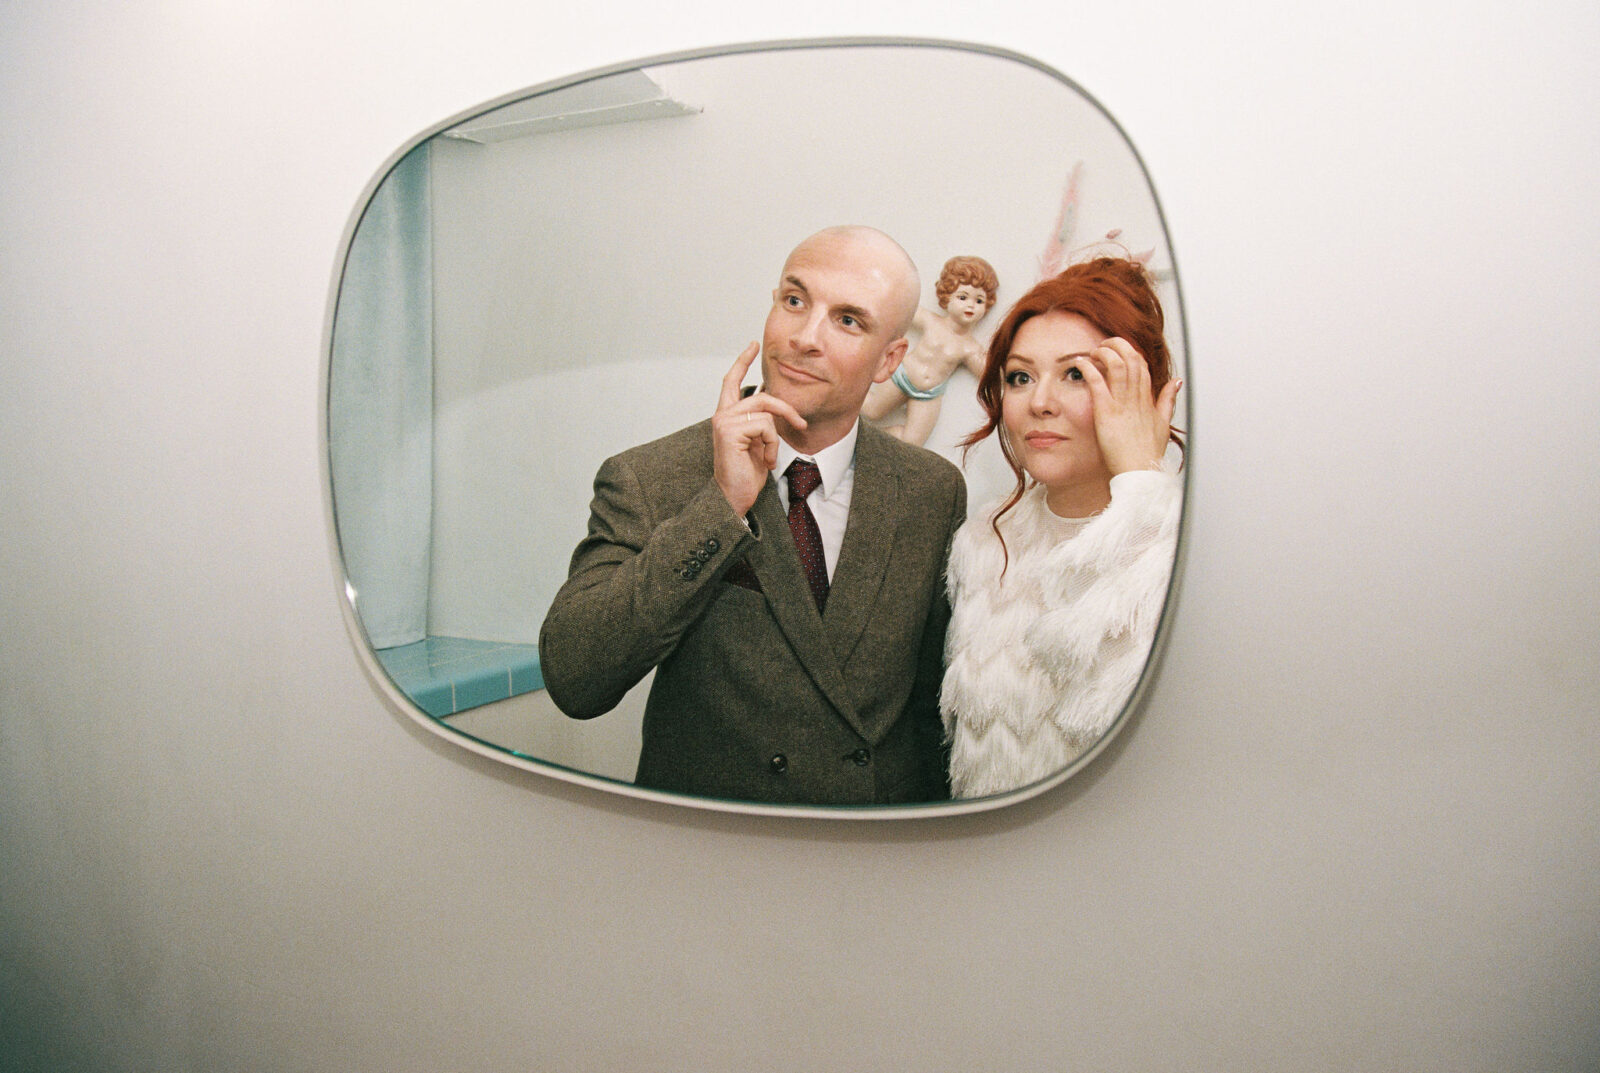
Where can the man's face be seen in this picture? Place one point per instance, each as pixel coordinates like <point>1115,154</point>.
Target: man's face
<point>834,329</point>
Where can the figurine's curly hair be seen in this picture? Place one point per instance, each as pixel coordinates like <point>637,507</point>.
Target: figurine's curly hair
<point>974,271</point>
<point>1116,295</point>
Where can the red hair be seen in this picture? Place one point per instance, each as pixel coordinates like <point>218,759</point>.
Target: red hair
<point>1115,295</point>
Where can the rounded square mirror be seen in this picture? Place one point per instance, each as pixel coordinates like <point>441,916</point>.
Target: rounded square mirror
<point>539,283</point>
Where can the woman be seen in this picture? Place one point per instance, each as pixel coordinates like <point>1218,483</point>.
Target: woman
<point>1056,590</point>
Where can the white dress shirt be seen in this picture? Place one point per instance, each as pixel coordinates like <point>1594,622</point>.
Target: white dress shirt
<point>830,500</point>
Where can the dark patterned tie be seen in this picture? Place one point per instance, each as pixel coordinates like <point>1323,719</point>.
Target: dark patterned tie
<point>803,479</point>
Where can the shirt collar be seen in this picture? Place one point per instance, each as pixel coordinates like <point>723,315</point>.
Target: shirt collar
<point>833,461</point>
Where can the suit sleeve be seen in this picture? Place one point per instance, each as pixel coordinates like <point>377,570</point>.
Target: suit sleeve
<point>636,583</point>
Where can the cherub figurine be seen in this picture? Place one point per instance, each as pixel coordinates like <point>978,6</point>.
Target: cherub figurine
<point>966,291</point>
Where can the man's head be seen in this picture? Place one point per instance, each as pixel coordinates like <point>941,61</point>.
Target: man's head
<point>837,325</point>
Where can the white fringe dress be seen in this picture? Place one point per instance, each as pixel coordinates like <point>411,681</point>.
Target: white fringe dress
<point>1039,661</point>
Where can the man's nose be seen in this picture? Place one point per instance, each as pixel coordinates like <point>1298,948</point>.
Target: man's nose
<point>1043,399</point>
<point>807,334</point>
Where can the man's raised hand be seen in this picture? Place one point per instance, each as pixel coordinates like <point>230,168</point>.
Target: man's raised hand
<point>744,435</point>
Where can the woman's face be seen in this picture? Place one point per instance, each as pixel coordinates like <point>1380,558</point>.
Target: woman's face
<point>1046,409</point>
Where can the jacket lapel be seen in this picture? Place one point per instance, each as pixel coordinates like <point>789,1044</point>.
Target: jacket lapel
<point>869,540</point>
<point>823,642</point>
<point>777,565</point>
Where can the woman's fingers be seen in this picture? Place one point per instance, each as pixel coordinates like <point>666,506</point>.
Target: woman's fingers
<point>1131,425</point>
<point>1114,364</point>
<point>1167,401</point>
<point>1099,389</point>
<point>1126,371</point>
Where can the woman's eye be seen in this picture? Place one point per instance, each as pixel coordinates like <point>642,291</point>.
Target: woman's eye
<point>1016,378</point>
<point>1074,373</point>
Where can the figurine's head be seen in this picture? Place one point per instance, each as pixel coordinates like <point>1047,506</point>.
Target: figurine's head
<point>966,289</point>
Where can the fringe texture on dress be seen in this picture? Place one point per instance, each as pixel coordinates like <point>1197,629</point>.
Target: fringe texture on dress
<point>1040,661</point>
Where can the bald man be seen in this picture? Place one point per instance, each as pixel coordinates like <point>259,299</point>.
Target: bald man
<point>779,565</point>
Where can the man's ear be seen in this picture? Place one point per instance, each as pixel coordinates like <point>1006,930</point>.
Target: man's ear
<point>891,359</point>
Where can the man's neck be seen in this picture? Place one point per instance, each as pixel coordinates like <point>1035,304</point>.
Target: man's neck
<point>834,464</point>
<point>844,446</point>
<point>814,438</point>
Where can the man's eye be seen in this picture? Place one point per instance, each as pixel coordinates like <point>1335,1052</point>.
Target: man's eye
<point>792,301</point>
<point>848,321</point>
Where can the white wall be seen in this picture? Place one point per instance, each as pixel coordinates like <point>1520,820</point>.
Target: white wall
<point>1355,827</point>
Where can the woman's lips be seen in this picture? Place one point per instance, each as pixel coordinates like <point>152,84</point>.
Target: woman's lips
<point>1042,440</point>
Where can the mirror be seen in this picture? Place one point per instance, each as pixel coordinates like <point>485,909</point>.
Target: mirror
<point>539,283</point>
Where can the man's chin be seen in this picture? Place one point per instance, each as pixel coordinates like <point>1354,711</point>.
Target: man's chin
<point>800,393</point>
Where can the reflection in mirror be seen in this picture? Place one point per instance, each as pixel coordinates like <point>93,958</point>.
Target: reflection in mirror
<point>551,281</point>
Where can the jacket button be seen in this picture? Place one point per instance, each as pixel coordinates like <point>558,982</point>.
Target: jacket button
<point>779,764</point>
<point>862,757</point>
<point>686,574</point>
<point>712,544</point>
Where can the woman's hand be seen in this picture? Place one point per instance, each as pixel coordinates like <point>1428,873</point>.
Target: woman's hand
<point>1131,426</point>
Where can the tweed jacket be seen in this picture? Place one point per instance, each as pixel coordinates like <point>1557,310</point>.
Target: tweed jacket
<point>757,696</point>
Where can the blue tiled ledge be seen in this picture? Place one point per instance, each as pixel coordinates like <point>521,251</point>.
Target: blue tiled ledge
<point>446,675</point>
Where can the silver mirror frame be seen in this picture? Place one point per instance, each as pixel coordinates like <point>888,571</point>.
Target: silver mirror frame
<point>403,704</point>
